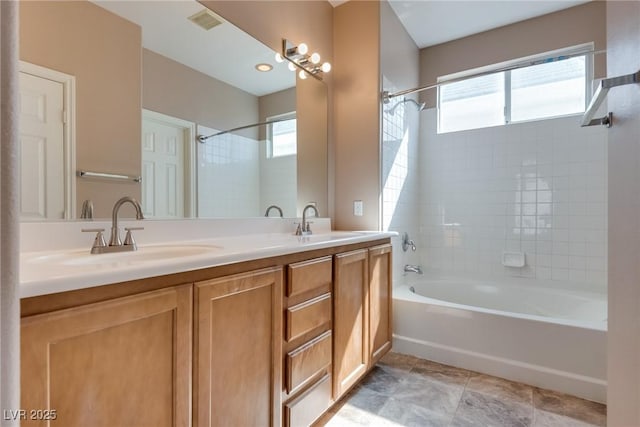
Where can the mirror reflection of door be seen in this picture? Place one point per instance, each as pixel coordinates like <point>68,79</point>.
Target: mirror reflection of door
<point>45,140</point>
<point>167,165</point>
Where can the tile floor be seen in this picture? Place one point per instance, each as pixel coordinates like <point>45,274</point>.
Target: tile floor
<point>406,391</point>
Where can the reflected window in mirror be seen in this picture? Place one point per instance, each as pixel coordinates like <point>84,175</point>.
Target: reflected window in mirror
<point>282,138</point>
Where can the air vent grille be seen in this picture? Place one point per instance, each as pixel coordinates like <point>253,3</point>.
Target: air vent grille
<point>206,19</point>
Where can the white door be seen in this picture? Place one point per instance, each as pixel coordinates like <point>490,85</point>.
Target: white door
<point>165,166</point>
<point>42,143</point>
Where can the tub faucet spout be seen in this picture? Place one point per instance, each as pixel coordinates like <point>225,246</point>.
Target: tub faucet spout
<point>412,269</point>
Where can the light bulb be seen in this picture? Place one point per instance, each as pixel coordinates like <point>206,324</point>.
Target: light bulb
<point>315,57</point>
<point>291,66</point>
<point>302,75</point>
<point>303,48</point>
<point>326,67</point>
<point>279,58</point>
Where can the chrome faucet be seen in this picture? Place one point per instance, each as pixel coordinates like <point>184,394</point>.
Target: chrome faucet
<point>87,210</point>
<point>304,227</point>
<point>273,207</point>
<point>115,232</point>
<point>412,269</point>
<point>115,244</point>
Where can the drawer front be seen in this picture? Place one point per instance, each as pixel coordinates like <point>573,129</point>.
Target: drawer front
<point>307,316</point>
<point>307,408</point>
<point>308,275</point>
<point>307,360</point>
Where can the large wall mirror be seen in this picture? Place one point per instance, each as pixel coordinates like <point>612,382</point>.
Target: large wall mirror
<point>123,88</point>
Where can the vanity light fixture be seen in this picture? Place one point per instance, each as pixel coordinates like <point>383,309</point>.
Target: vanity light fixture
<point>264,67</point>
<point>299,57</point>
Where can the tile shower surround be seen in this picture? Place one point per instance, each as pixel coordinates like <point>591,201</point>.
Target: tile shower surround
<point>401,193</point>
<point>229,162</point>
<point>537,187</point>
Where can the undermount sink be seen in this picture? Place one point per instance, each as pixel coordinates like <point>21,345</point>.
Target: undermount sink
<point>143,254</point>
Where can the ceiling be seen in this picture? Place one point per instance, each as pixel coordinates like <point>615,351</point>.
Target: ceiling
<point>431,22</point>
<point>230,55</point>
<point>224,52</point>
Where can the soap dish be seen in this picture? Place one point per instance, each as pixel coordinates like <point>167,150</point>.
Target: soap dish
<point>513,259</point>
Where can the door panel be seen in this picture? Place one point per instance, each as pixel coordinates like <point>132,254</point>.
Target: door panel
<point>124,362</point>
<point>42,144</point>
<point>350,320</point>
<point>163,166</point>
<point>238,357</point>
<point>380,283</point>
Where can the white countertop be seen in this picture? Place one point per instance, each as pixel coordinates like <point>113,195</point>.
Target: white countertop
<point>51,271</point>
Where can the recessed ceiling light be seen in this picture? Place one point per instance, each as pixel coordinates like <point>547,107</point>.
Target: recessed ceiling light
<point>264,67</point>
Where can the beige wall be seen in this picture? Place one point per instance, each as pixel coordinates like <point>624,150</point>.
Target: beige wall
<point>569,27</point>
<point>399,55</point>
<point>172,88</point>
<point>309,21</point>
<point>623,350</point>
<point>312,110</point>
<point>309,100</point>
<point>270,21</point>
<point>278,181</point>
<point>102,51</point>
<point>399,63</point>
<point>356,110</point>
<point>275,104</point>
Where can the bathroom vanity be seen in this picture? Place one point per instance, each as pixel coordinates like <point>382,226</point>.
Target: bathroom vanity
<point>273,338</point>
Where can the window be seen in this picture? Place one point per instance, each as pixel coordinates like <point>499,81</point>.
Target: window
<point>544,90</point>
<point>282,136</point>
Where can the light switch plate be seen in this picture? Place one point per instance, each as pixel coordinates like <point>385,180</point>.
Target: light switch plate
<point>358,208</point>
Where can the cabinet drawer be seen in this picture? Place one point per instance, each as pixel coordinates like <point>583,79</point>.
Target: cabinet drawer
<point>307,316</point>
<point>308,360</point>
<point>307,408</point>
<point>308,275</point>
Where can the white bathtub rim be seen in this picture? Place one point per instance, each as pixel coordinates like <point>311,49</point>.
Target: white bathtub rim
<point>516,281</point>
<point>583,386</point>
<point>402,292</point>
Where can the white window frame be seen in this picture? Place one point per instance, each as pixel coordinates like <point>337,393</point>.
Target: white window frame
<point>286,116</point>
<point>500,67</point>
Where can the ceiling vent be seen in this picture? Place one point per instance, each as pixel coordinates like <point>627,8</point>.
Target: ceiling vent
<point>206,19</point>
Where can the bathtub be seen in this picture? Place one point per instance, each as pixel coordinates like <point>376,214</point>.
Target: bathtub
<point>547,337</point>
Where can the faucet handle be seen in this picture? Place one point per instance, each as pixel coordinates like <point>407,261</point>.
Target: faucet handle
<point>128,239</point>
<point>307,228</point>
<point>299,229</point>
<point>99,241</point>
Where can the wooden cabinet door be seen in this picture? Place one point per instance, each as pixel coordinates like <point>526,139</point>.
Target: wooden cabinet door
<point>351,353</point>
<point>238,350</point>
<point>123,362</point>
<point>380,302</point>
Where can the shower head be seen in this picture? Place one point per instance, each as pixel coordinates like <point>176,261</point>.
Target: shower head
<point>420,106</point>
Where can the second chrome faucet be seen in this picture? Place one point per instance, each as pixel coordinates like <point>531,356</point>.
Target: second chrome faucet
<point>304,228</point>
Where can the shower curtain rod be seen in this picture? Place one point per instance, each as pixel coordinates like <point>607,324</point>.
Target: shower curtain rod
<point>203,138</point>
<point>386,96</point>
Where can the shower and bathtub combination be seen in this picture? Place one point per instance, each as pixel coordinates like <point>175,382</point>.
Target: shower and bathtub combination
<point>536,189</point>
<point>544,336</point>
